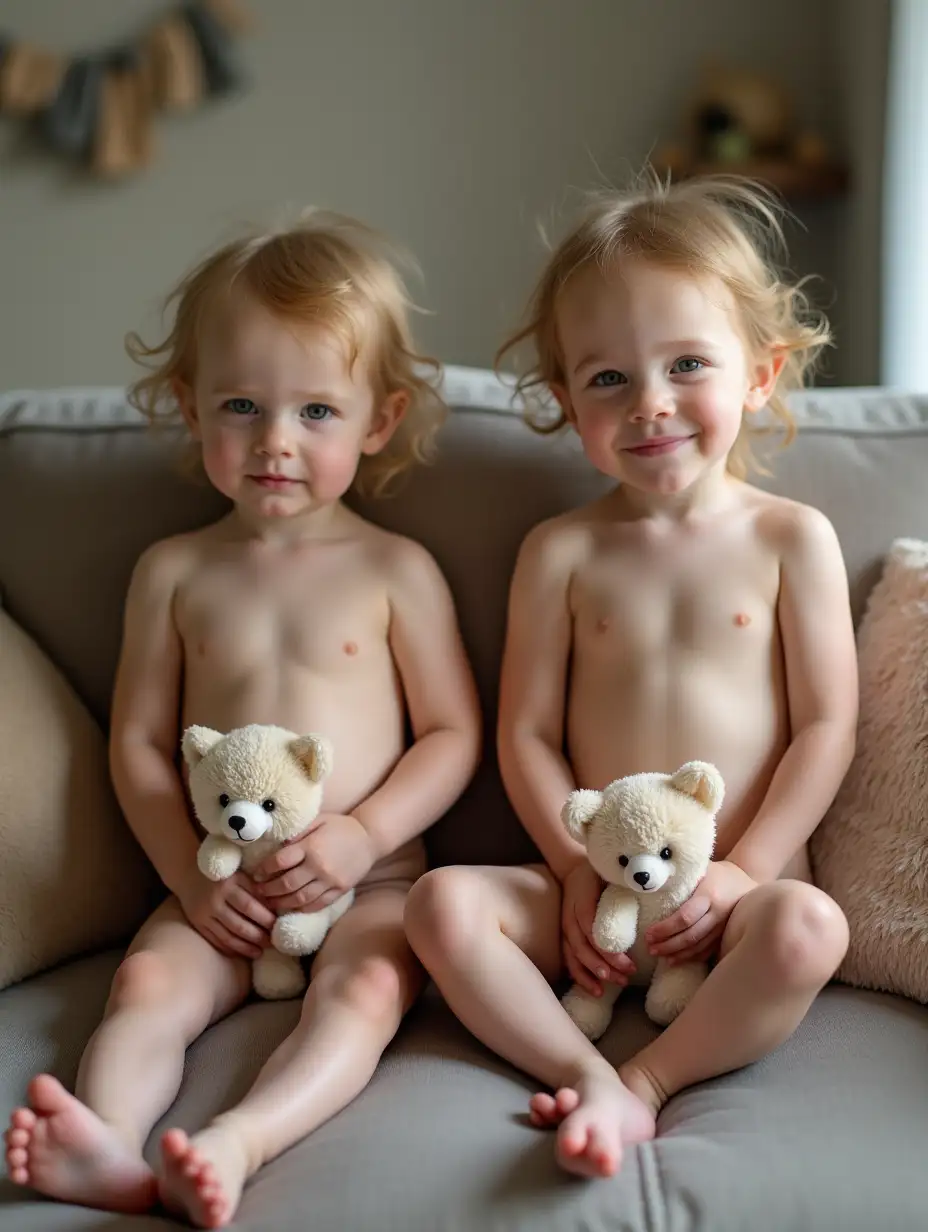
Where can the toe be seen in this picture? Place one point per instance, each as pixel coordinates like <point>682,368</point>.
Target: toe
<point>17,1157</point>
<point>23,1118</point>
<point>174,1144</point>
<point>566,1101</point>
<point>47,1095</point>
<point>17,1137</point>
<point>543,1109</point>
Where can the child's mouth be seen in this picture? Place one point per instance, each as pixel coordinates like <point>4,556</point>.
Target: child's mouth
<point>657,446</point>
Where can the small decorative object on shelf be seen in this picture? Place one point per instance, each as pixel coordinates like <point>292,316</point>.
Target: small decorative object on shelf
<point>98,108</point>
<point>741,122</point>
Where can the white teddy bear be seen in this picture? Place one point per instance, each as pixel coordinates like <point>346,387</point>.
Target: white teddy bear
<point>650,837</point>
<point>253,789</point>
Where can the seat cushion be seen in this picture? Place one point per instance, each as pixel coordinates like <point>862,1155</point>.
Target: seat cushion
<point>827,1133</point>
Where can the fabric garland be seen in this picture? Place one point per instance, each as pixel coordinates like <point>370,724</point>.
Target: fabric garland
<point>98,109</point>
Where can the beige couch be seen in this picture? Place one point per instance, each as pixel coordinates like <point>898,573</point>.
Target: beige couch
<point>828,1133</point>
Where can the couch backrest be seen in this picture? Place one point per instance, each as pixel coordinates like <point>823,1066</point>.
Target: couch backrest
<point>85,486</point>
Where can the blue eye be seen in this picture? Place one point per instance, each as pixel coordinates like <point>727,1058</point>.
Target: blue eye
<point>688,364</point>
<point>317,411</point>
<point>239,406</point>
<point>608,379</point>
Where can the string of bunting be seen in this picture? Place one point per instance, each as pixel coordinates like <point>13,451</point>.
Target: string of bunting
<point>98,109</point>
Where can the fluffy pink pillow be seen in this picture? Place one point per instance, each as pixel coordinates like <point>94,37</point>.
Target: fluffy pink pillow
<point>871,851</point>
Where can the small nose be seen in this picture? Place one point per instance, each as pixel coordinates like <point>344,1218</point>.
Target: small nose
<point>238,825</point>
<point>649,405</point>
<point>274,437</point>
<point>641,878</point>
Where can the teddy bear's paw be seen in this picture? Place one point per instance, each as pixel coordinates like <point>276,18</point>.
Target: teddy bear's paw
<point>277,977</point>
<point>299,933</point>
<point>672,990</point>
<point>591,1014</point>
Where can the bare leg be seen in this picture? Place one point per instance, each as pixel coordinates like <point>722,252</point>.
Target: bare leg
<point>491,939</point>
<point>783,943</point>
<point>87,1148</point>
<point>364,980</point>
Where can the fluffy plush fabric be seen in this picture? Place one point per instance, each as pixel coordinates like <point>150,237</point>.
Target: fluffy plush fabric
<point>871,851</point>
<point>72,878</point>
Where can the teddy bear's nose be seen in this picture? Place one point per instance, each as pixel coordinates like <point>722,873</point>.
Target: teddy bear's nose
<point>238,825</point>
<point>641,878</point>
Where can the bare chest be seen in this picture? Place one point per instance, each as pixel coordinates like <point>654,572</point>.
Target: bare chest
<point>718,604</point>
<point>238,615</point>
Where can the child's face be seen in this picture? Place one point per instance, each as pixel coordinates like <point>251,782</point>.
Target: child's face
<point>657,374</point>
<point>282,419</point>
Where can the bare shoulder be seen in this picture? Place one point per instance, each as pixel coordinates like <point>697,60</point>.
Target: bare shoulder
<point>403,564</point>
<point>793,530</point>
<point>559,545</point>
<point>164,565</point>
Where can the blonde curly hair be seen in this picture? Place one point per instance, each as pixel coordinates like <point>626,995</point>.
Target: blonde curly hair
<point>724,227</point>
<point>326,269</point>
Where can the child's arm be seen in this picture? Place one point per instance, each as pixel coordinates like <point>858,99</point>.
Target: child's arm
<point>530,735</point>
<point>821,679</point>
<point>444,714</point>
<point>441,701</point>
<point>144,739</point>
<point>533,695</point>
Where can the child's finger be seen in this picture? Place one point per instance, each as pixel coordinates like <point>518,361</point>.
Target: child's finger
<point>584,952</point>
<point>289,883</point>
<point>247,905</point>
<point>228,943</point>
<point>687,940</point>
<point>279,862</point>
<point>579,974</point>
<point>685,917</point>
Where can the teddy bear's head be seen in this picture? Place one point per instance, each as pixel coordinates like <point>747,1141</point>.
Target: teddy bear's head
<point>256,781</point>
<point>647,829</point>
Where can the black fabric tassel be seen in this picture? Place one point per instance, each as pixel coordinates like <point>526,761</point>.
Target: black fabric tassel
<point>70,121</point>
<point>221,69</point>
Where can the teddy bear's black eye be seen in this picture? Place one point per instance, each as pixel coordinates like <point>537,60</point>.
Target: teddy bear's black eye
<point>666,853</point>
<point>268,806</point>
<point>223,801</point>
<point>623,860</point>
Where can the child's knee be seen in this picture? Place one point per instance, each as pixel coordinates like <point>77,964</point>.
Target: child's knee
<point>142,981</point>
<point>374,987</point>
<point>441,911</point>
<point>806,933</point>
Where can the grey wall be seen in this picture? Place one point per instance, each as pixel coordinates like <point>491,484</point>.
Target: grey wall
<point>453,124</point>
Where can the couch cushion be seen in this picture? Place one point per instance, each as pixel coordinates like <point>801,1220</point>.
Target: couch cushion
<point>870,852</point>
<point>91,486</point>
<point>827,1133</point>
<point>71,876</point>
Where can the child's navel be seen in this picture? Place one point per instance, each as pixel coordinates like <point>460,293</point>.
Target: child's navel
<point>350,648</point>
<point>602,625</point>
<point>742,620</point>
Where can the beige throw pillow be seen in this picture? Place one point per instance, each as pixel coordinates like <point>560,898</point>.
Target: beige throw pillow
<point>871,851</point>
<point>72,877</point>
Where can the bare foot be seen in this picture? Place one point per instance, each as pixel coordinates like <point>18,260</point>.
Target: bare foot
<point>62,1149</point>
<point>598,1118</point>
<point>202,1177</point>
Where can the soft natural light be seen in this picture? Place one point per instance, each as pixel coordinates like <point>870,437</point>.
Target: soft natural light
<point>905,245</point>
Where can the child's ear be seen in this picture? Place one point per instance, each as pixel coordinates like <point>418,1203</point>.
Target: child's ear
<point>563,400</point>
<point>385,421</point>
<point>186,404</point>
<point>764,378</point>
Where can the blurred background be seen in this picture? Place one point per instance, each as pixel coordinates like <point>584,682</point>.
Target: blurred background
<point>457,126</point>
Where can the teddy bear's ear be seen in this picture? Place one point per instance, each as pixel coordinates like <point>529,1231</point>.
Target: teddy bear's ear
<point>579,809</point>
<point>314,753</point>
<point>701,781</point>
<point>197,742</point>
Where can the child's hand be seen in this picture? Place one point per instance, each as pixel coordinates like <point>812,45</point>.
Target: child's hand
<point>313,871</point>
<point>228,914</point>
<point>693,932</point>
<point>588,965</point>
